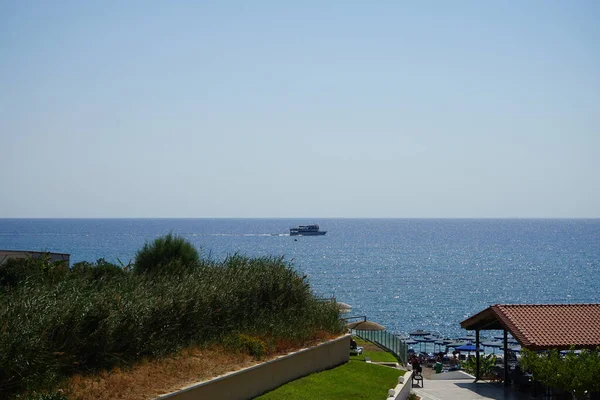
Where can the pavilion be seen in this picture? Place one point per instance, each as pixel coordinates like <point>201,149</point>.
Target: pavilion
<point>538,327</point>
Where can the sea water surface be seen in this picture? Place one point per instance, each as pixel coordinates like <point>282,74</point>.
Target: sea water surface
<point>405,274</point>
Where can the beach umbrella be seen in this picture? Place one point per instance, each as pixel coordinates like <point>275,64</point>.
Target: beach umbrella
<point>467,337</point>
<point>493,345</point>
<point>510,339</point>
<point>455,343</point>
<point>420,332</point>
<point>438,343</point>
<point>365,326</point>
<point>424,339</point>
<point>411,341</point>
<point>433,339</point>
<point>467,347</point>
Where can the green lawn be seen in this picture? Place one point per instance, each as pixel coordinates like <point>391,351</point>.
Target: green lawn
<point>353,380</point>
<point>377,356</point>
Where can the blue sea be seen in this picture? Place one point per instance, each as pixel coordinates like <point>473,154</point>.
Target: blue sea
<point>405,274</point>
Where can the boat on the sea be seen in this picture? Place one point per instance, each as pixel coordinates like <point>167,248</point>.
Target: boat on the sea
<point>307,230</point>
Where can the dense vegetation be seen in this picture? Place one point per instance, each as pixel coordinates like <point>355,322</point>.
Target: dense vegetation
<point>55,321</point>
<point>574,373</point>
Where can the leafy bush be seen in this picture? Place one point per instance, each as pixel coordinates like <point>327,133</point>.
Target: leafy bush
<point>486,364</point>
<point>166,255</point>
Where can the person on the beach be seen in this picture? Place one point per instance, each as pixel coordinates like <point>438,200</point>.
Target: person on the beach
<point>416,364</point>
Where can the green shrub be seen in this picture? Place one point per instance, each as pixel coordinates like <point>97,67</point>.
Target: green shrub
<point>166,254</point>
<point>486,364</point>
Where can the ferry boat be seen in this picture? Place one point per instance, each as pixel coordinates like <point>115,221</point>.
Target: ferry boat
<point>307,230</point>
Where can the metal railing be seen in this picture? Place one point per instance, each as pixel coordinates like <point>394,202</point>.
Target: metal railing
<point>390,342</point>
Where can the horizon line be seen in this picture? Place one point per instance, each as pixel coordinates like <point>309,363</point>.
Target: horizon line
<point>287,218</point>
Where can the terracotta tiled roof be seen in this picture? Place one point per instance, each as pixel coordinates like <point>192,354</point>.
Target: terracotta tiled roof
<point>543,326</point>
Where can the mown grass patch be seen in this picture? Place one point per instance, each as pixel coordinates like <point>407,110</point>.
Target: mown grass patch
<point>377,356</point>
<point>353,380</point>
<point>372,351</point>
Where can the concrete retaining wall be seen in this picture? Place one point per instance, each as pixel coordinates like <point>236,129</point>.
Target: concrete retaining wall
<point>253,381</point>
<point>402,390</point>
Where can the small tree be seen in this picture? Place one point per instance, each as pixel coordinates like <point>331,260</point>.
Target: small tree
<point>166,254</point>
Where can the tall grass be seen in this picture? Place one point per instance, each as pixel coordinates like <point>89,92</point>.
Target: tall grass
<point>94,316</point>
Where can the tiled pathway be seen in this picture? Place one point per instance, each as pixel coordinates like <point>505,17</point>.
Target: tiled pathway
<point>465,389</point>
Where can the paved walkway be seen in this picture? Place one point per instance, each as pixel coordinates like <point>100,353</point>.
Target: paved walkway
<point>466,389</point>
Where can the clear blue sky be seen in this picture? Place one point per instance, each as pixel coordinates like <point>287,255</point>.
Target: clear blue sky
<point>300,109</point>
